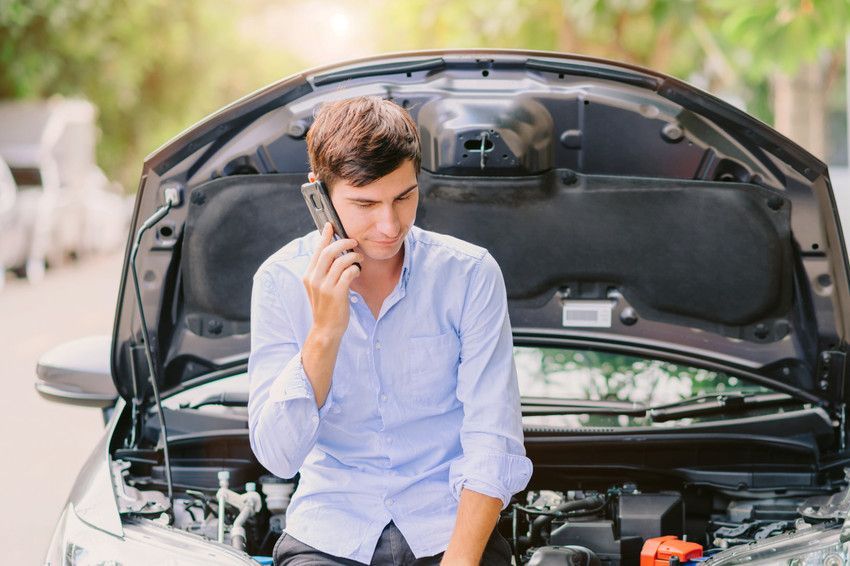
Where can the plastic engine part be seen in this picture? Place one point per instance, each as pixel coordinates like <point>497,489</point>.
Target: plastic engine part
<point>663,551</point>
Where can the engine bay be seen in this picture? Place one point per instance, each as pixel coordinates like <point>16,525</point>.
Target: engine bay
<point>569,521</point>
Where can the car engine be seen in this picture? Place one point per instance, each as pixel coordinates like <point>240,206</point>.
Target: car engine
<point>612,527</point>
<point>237,504</point>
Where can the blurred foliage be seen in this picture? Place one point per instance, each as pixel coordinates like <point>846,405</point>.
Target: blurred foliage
<point>765,36</point>
<point>152,67</point>
<point>721,45</point>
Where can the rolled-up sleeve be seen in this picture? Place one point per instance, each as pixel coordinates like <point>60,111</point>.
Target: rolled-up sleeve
<point>283,418</point>
<point>493,461</point>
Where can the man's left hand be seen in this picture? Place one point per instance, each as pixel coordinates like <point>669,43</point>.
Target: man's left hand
<point>476,518</point>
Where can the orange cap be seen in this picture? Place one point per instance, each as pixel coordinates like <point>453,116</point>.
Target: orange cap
<point>658,551</point>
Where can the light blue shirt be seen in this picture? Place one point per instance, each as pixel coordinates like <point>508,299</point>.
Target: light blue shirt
<point>424,400</point>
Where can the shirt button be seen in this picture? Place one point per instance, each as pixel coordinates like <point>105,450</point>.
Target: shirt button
<point>383,397</point>
<point>390,501</point>
<point>377,345</point>
<point>315,418</point>
<point>354,299</point>
<point>389,440</point>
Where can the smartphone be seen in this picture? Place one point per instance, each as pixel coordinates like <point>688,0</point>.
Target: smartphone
<point>322,210</point>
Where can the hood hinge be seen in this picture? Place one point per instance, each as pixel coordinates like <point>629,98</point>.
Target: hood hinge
<point>829,376</point>
<point>137,405</point>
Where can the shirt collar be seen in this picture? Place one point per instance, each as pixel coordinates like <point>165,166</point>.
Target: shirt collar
<point>409,244</point>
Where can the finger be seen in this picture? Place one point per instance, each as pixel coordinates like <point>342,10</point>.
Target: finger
<point>331,252</point>
<point>340,264</point>
<point>327,233</point>
<point>350,274</point>
<point>324,240</point>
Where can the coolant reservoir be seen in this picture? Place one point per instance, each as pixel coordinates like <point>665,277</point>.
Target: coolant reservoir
<point>278,492</point>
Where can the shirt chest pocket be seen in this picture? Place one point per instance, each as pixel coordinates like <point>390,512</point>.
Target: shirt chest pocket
<point>431,367</point>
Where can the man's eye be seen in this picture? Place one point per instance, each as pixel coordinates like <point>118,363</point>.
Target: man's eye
<point>405,197</point>
<point>362,205</point>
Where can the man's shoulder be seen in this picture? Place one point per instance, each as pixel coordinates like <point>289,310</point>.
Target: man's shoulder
<point>448,247</point>
<point>292,258</point>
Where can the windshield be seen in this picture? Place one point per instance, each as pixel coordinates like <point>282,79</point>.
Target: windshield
<point>560,373</point>
<point>568,374</point>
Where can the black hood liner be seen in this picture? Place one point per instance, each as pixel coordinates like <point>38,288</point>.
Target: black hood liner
<point>710,255</point>
<point>232,226</point>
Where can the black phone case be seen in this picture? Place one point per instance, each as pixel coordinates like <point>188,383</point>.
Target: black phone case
<point>322,210</point>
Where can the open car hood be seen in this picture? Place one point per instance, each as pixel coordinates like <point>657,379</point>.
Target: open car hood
<point>684,227</point>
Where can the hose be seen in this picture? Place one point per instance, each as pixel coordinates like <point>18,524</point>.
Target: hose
<point>595,503</point>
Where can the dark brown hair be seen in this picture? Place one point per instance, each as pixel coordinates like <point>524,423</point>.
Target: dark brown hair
<point>361,139</point>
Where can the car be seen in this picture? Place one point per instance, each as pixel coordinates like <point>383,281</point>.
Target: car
<point>677,282</point>
<point>8,196</point>
<point>65,206</point>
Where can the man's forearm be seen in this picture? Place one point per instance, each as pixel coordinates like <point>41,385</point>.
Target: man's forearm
<point>476,518</point>
<point>318,356</point>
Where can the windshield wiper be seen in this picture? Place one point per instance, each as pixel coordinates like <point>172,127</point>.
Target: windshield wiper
<point>698,406</point>
<point>224,399</point>
<point>536,406</point>
<point>725,403</point>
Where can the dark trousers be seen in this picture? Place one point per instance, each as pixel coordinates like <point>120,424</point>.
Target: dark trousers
<point>392,550</point>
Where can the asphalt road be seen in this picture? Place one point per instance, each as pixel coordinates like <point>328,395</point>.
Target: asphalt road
<point>44,444</point>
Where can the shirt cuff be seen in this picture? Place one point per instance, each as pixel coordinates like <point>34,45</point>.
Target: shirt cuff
<point>497,475</point>
<point>292,383</point>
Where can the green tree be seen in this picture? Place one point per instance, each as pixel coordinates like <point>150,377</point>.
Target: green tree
<point>732,47</point>
<point>152,67</point>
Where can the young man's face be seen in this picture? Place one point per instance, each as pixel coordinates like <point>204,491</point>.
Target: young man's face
<point>379,215</point>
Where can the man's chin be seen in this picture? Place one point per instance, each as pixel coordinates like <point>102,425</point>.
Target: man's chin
<point>382,253</point>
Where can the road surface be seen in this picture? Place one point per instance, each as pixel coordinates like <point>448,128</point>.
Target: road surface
<point>44,444</point>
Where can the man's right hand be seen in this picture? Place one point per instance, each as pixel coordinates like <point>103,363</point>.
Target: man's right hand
<point>327,280</point>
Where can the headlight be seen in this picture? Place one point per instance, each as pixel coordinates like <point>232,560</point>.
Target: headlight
<point>76,543</point>
<point>809,547</point>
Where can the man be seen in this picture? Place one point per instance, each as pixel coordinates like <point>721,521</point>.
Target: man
<point>392,389</point>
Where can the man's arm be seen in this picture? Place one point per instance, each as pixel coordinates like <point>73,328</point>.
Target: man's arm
<point>289,388</point>
<point>493,466</point>
<point>476,518</point>
<point>327,281</point>
<point>283,414</point>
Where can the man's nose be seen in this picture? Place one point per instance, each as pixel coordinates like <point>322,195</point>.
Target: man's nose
<point>388,224</point>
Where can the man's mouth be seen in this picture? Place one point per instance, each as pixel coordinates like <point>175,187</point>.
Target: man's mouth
<point>385,242</point>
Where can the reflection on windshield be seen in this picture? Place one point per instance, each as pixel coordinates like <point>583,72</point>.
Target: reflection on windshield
<point>585,374</point>
<point>561,373</point>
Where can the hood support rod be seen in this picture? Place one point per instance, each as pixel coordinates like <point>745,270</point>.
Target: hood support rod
<point>171,199</point>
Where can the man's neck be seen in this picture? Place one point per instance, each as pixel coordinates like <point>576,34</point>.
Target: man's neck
<point>379,274</point>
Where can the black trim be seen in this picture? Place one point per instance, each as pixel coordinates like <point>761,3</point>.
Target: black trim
<point>751,130</point>
<point>222,126</point>
<point>383,69</point>
<point>580,70</point>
